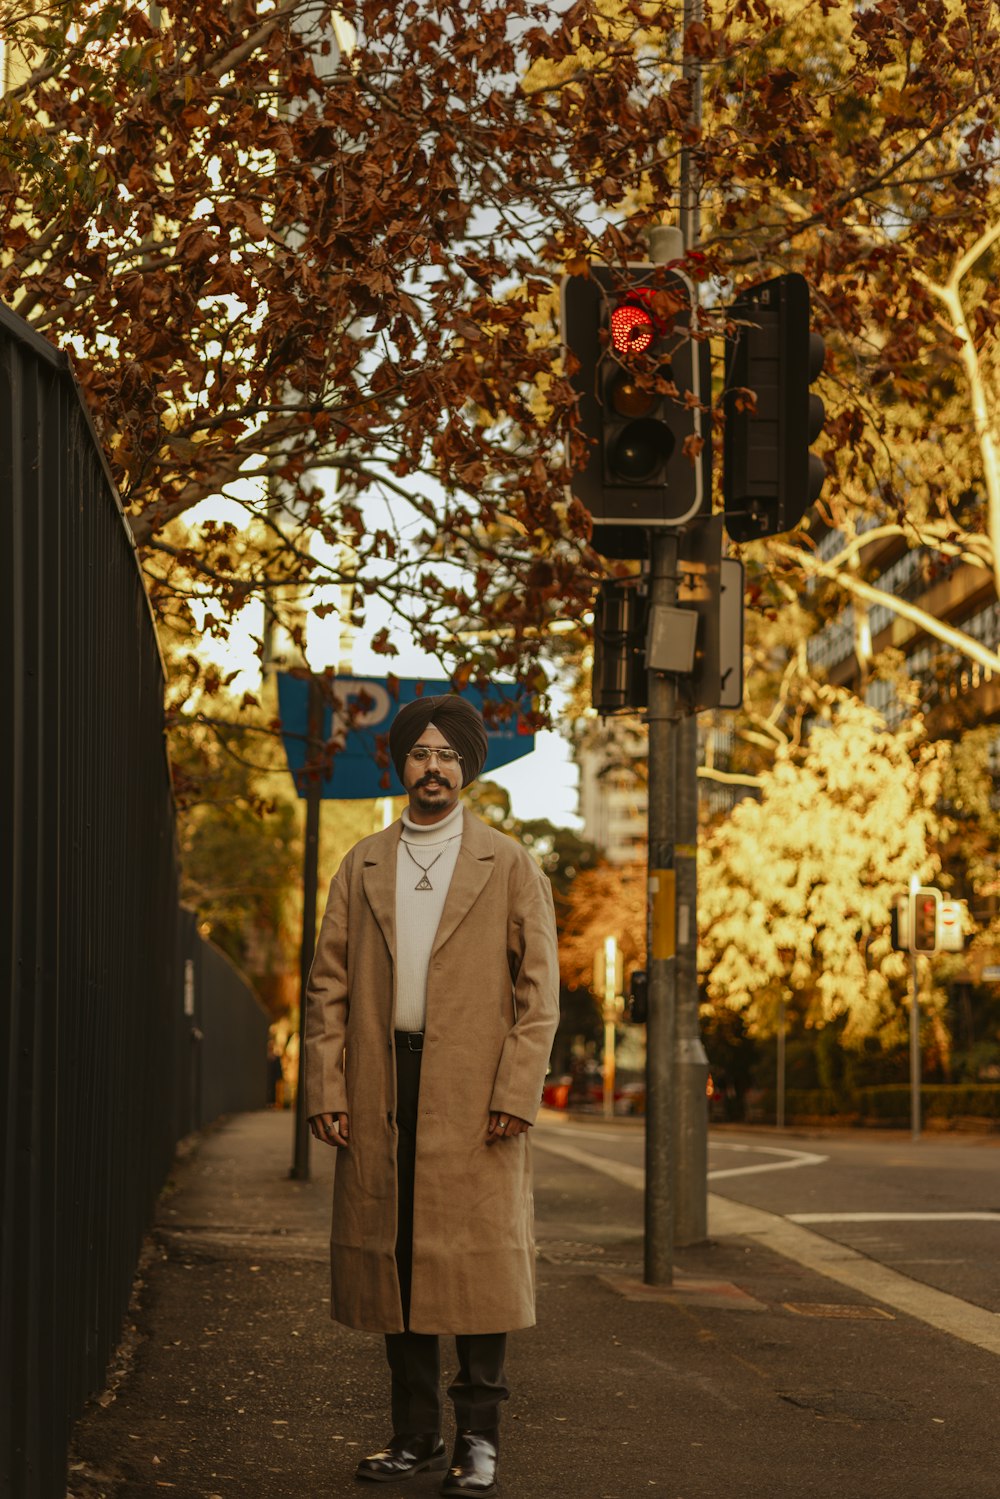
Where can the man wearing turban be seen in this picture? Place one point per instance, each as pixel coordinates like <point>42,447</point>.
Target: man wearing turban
<point>432,1003</point>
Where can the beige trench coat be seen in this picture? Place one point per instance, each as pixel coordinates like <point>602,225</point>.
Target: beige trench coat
<point>492,1011</point>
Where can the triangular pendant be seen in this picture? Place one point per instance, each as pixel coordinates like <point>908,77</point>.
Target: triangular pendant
<point>423,884</point>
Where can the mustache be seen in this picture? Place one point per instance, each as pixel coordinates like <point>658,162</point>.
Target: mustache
<point>431,780</point>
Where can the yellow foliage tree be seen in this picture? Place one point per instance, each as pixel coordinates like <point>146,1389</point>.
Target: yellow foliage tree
<point>606,901</point>
<point>796,888</point>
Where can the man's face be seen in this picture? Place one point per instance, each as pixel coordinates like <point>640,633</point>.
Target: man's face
<point>432,786</point>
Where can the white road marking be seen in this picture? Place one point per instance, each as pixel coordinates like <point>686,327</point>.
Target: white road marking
<point>893,1217</point>
<point>635,1175</point>
<point>795,1158</point>
<point>631,1176</point>
<point>587,1132</point>
<point>960,1319</point>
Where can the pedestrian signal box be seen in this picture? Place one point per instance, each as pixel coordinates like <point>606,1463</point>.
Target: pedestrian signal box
<point>925,922</point>
<point>951,937</point>
<point>619,676</point>
<point>924,909</point>
<point>637,1003</point>
<point>900,923</point>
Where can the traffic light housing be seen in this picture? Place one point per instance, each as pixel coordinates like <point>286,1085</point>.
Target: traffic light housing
<point>619,677</point>
<point>769,475</point>
<point>630,637</point>
<point>950,933</point>
<point>899,924</point>
<point>924,912</point>
<point>644,388</point>
<point>637,1000</point>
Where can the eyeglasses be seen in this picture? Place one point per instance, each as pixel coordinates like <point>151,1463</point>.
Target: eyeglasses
<point>421,753</point>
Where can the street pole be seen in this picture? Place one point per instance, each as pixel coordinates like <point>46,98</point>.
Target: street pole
<point>779,1112</point>
<point>310,880</point>
<point>661,716</point>
<point>691,1059</point>
<point>609,1065</point>
<point>610,953</point>
<point>914,1046</point>
<point>676,1063</point>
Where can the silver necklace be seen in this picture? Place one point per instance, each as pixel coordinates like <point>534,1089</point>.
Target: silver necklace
<point>424,883</point>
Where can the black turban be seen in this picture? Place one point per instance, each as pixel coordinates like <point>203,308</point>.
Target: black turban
<point>460,723</point>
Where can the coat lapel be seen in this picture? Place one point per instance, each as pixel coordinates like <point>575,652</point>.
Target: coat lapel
<point>379,879</point>
<point>472,870</point>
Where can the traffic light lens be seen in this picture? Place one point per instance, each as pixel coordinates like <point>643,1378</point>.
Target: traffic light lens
<point>641,449</point>
<point>925,918</point>
<point>629,399</point>
<point>817,416</point>
<point>817,356</point>
<point>632,329</point>
<point>817,474</point>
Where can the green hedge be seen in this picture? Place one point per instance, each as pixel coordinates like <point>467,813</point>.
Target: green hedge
<point>888,1104</point>
<point>815,1103</point>
<point>937,1101</point>
<point>800,1103</point>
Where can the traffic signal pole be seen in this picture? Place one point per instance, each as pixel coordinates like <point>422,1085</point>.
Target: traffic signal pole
<point>915,1047</point>
<point>661,966</point>
<point>690,1110</point>
<point>676,1064</point>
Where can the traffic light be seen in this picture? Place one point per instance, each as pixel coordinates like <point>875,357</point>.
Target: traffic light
<point>700,640</point>
<point>619,677</point>
<point>644,387</point>
<point>637,1001</point>
<point>950,936</point>
<point>769,475</point>
<point>899,918</point>
<point>924,909</point>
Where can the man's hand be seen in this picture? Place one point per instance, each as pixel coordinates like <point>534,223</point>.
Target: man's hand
<point>332,1129</point>
<point>504,1126</point>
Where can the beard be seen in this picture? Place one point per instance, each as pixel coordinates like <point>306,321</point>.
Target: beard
<point>428,792</point>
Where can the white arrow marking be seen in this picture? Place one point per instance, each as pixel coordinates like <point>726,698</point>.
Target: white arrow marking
<point>795,1158</point>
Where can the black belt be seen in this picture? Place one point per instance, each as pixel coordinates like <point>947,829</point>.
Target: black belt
<point>409,1040</point>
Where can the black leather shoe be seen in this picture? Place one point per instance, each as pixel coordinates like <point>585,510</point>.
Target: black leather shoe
<point>474,1463</point>
<point>404,1456</point>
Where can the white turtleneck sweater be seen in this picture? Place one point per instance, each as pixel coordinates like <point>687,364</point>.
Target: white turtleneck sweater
<point>418,912</point>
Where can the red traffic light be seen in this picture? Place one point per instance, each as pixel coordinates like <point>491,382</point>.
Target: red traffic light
<point>632,329</point>
<point>924,932</point>
<point>644,387</point>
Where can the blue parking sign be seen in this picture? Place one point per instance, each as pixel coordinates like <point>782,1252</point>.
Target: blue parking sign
<point>363,710</point>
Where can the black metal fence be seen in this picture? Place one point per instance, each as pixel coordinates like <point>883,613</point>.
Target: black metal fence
<point>221,1055</point>
<point>93,992</point>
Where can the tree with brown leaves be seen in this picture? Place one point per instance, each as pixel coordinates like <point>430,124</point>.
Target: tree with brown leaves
<point>287,246</point>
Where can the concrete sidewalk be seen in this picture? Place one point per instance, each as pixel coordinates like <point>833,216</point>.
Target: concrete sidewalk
<point>757,1376</point>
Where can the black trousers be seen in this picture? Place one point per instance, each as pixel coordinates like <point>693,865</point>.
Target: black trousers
<point>415,1357</point>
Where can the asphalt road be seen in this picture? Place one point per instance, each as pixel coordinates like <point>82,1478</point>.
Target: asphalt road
<point>929,1209</point>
